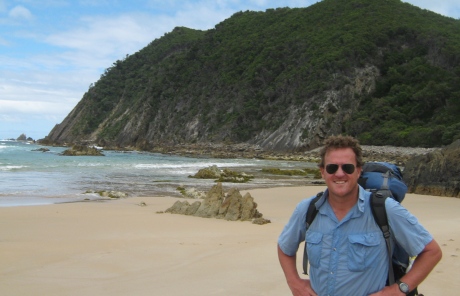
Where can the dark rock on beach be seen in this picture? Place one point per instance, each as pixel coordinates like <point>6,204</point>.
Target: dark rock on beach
<point>225,175</point>
<point>435,173</point>
<point>211,172</point>
<point>41,150</point>
<point>80,150</point>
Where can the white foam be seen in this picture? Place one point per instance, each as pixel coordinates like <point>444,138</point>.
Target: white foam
<point>12,167</point>
<point>188,165</point>
<point>90,164</point>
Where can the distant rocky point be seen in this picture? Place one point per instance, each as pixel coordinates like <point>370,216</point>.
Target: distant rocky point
<point>23,137</point>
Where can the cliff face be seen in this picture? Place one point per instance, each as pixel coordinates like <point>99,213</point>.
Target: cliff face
<point>283,79</point>
<point>305,128</point>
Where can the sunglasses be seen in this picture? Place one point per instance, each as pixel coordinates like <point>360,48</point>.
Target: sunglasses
<point>347,168</point>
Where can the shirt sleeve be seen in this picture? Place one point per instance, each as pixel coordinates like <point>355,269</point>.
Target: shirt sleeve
<point>408,232</point>
<point>294,231</point>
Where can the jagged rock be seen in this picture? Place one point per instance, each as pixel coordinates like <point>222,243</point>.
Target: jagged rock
<point>191,209</point>
<point>435,173</point>
<point>179,207</point>
<point>209,208</point>
<point>79,150</point>
<point>231,207</point>
<point>249,208</point>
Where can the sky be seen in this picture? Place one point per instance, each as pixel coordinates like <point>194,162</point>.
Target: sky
<point>51,51</point>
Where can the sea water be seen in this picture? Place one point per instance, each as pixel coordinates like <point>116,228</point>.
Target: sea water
<point>32,177</point>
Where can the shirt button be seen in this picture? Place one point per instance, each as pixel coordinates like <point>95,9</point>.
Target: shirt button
<point>335,249</point>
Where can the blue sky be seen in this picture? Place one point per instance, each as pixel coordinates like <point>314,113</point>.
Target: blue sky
<point>52,50</point>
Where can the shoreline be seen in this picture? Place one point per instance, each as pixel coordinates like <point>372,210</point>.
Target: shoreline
<point>162,186</point>
<point>395,154</point>
<point>120,247</point>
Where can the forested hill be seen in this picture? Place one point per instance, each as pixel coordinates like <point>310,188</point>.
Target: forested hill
<point>384,71</point>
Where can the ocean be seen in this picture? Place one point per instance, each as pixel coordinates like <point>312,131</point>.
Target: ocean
<point>31,177</point>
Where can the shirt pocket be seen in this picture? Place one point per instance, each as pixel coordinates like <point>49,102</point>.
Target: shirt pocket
<point>363,250</point>
<point>314,247</point>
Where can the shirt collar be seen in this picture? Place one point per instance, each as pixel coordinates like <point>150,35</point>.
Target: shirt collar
<point>361,199</point>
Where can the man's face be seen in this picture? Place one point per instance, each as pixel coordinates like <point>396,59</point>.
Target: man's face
<point>340,183</point>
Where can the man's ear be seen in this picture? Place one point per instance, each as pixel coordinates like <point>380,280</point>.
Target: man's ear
<point>321,169</point>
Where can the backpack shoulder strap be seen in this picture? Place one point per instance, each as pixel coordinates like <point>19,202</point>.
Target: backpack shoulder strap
<point>311,214</point>
<point>312,210</point>
<point>380,215</point>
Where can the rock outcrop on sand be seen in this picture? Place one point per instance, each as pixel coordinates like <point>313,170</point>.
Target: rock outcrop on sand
<point>435,173</point>
<point>231,206</point>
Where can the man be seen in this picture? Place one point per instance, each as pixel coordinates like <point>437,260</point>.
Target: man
<point>346,248</point>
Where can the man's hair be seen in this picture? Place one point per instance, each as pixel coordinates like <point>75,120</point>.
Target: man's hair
<point>338,142</point>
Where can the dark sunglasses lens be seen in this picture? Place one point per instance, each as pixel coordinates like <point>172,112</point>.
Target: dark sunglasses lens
<point>348,168</point>
<point>332,168</point>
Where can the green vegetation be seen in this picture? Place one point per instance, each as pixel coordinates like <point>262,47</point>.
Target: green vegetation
<point>316,173</point>
<point>182,190</point>
<point>242,77</point>
<point>234,177</point>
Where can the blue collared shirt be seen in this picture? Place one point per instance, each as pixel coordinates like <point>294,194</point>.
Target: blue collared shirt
<point>349,257</point>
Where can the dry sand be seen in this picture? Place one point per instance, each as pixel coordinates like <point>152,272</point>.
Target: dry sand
<point>121,248</point>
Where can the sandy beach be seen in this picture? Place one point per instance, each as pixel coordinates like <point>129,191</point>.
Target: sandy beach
<point>122,248</point>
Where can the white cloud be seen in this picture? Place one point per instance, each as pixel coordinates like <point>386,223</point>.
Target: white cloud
<point>106,37</point>
<point>100,41</point>
<point>32,107</point>
<point>444,7</point>
<point>20,12</point>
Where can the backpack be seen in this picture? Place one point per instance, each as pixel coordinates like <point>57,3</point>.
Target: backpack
<point>384,180</point>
